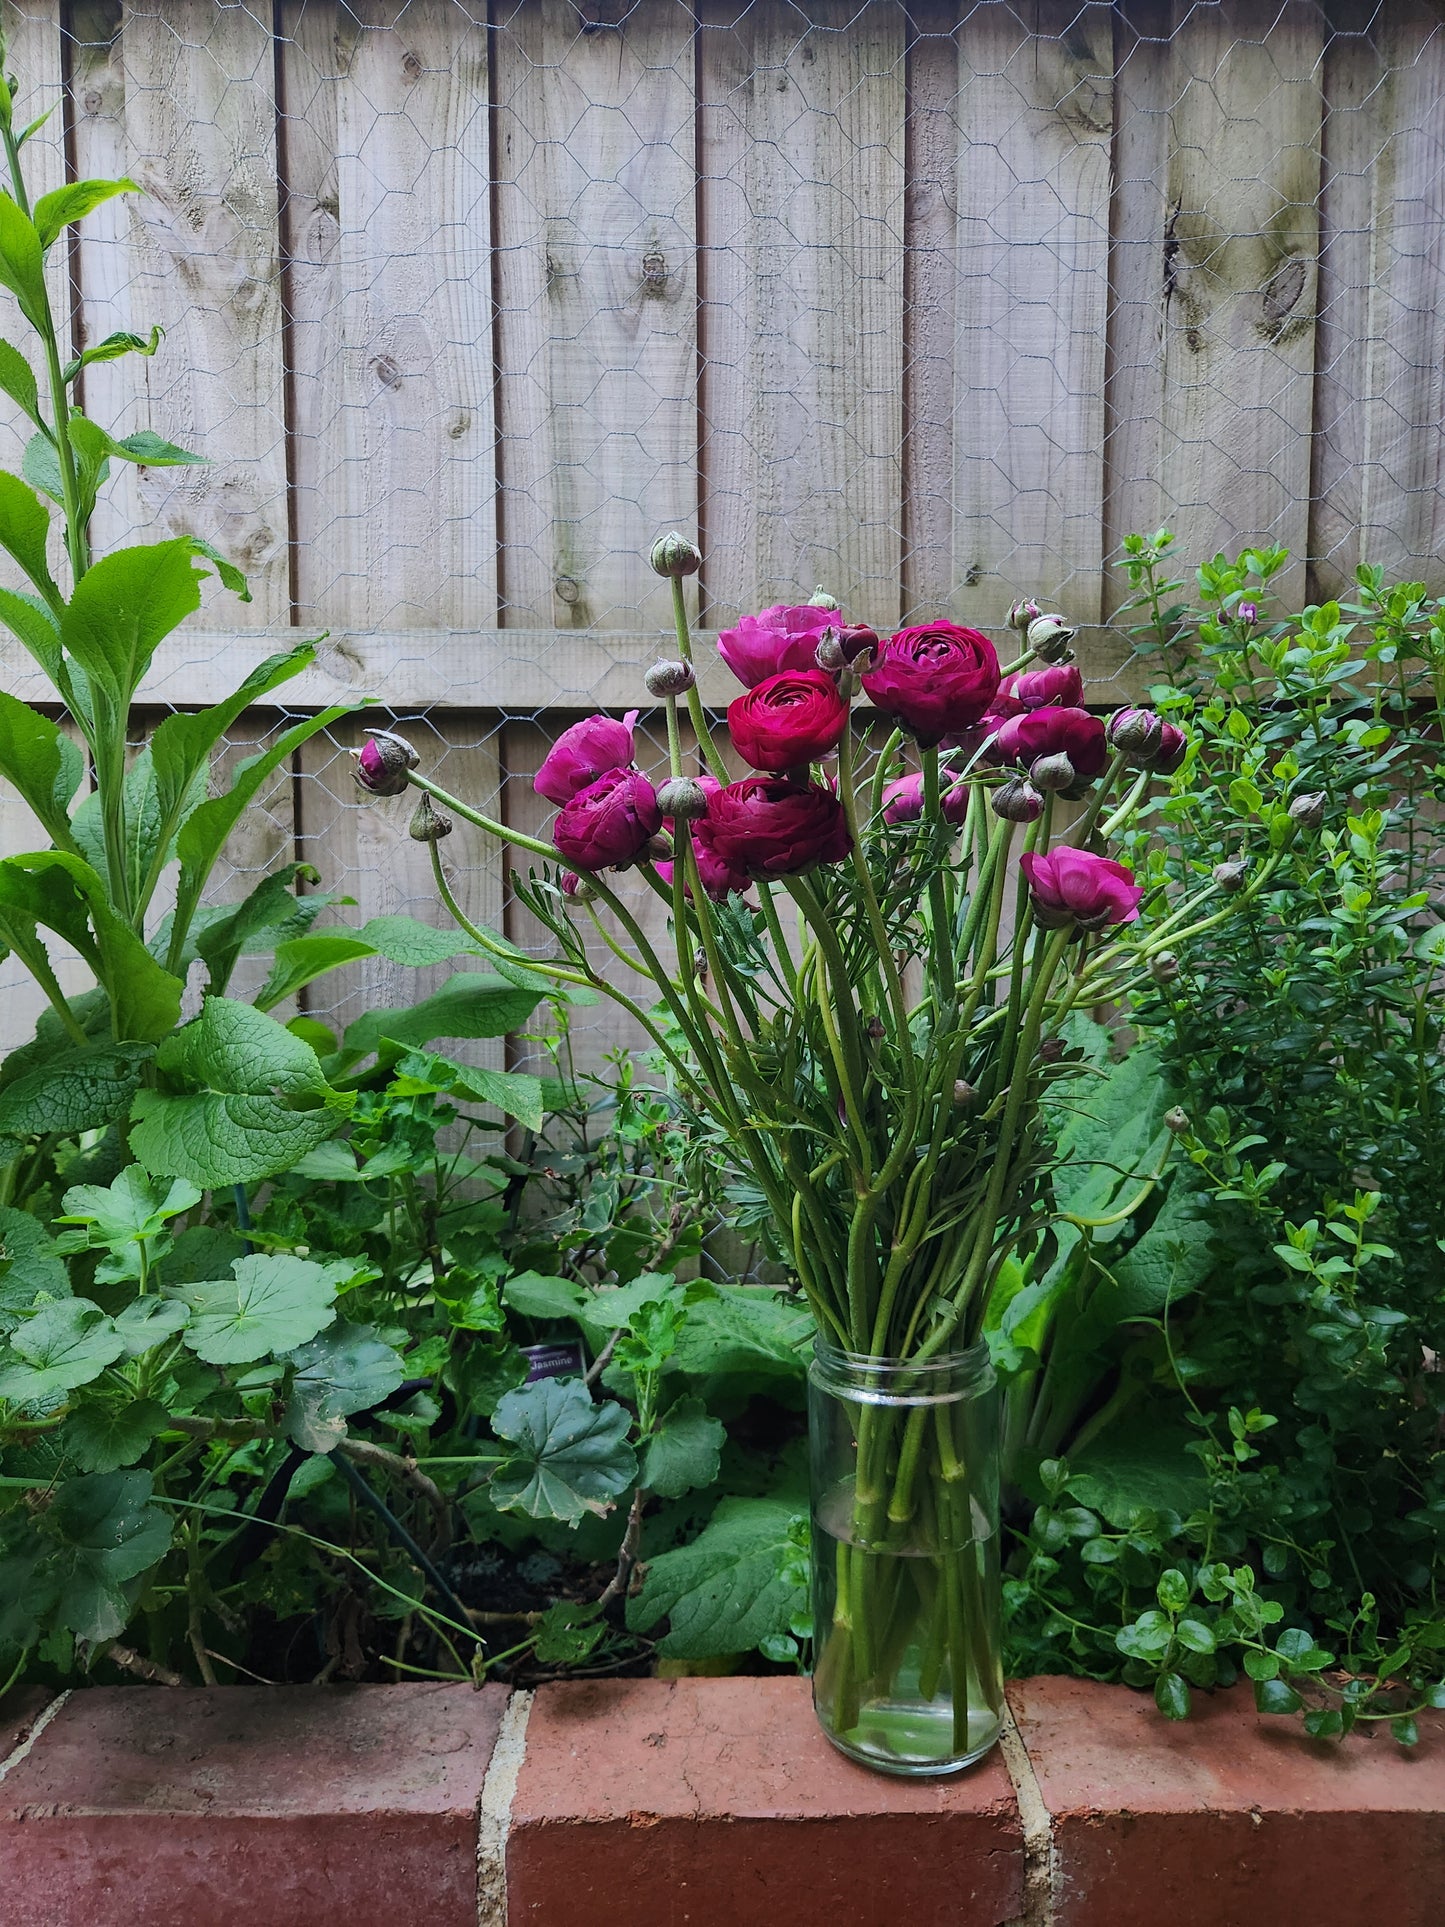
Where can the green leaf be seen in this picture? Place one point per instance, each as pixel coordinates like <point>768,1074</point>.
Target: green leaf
<point>685,1451</point>
<point>102,1437</point>
<point>403,940</point>
<point>1171,1696</point>
<point>1195,1635</point>
<point>37,628</point>
<point>43,764</point>
<point>536,1296</point>
<point>205,830</point>
<point>270,913</point>
<point>148,1322</point>
<point>1323,1723</point>
<point>128,1210</point>
<point>1261,1665</point>
<point>743,1332</point>
<point>25,533</point>
<point>154,451</point>
<point>570,1456</point>
<point>569,1632</point>
<point>107,1533</point>
<point>516,1093</point>
<point>113,347</point>
<point>272,1303</point>
<point>1173,1590</point>
<point>40,465</point>
<point>180,747</point>
<point>30,1266</point>
<point>741,1580</point>
<point>21,262</point>
<point>63,1346</point>
<point>1405,1730</point>
<point>84,1090</point>
<point>1138,1464</point>
<point>17,380</point>
<point>123,608</point>
<point>347,1369</point>
<point>73,202</point>
<point>465,1006</point>
<point>1274,1696</point>
<point>301,960</point>
<point>245,1099</point>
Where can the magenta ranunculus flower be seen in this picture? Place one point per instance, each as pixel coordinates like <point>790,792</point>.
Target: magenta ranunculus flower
<point>1053,732</point>
<point>903,799</point>
<point>1075,886</point>
<point>610,823</point>
<point>1173,747</point>
<point>784,637</point>
<point>583,753</point>
<point>936,680</point>
<point>383,761</point>
<point>1060,683</point>
<point>788,721</point>
<point>766,826</point>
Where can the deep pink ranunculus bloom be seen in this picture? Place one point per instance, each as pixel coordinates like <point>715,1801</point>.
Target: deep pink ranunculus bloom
<point>583,753</point>
<point>936,680</point>
<point>903,799</point>
<point>1075,886</point>
<point>610,823</point>
<point>1050,732</point>
<point>1060,683</point>
<point>783,637</point>
<point>1173,746</point>
<point>766,826</point>
<point>788,720</point>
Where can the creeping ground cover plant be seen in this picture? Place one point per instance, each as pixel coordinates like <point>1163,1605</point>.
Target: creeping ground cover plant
<point>881,939</point>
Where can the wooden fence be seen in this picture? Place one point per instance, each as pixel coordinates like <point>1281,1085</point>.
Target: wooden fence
<point>928,307</point>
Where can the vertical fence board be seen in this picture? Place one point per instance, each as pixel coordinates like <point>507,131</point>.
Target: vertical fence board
<point>1035,117</point>
<point>801,144</point>
<point>389,252</point>
<point>1402,518</point>
<point>1242,250</point>
<point>597,311</point>
<point>193,123</point>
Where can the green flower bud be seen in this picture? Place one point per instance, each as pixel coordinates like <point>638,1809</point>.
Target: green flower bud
<point>429,824</point>
<point>675,556</point>
<point>669,678</point>
<point>682,797</point>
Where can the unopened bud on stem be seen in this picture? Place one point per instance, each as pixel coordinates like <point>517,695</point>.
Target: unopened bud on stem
<point>1230,876</point>
<point>965,1095</point>
<point>428,824</point>
<point>820,599</point>
<point>669,678</point>
<point>383,762</point>
<point>1054,772</point>
<point>1309,810</point>
<point>1164,968</point>
<point>1017,801</point>
<point>1176,1121</point>
<point>682,797</point>
<point>1021,614</point>
<point>675,556</point>
<point>1050,638</point>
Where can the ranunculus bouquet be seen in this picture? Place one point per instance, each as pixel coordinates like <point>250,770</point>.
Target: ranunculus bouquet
<point>876,941</point>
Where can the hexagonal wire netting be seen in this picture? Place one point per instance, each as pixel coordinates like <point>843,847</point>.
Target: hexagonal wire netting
<point>929,308</point>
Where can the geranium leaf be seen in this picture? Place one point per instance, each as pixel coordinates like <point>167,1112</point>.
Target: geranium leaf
<point>272,1303</point>
<point>570,1455</point>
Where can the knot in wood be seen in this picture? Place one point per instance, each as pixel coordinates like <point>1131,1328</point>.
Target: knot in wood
<point>654,272</point>
<point>386,371</point>
<point>1282,291</point>
<point>567,590</point>
<point>411,66</point>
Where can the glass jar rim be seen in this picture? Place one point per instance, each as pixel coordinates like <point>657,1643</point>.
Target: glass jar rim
<point>946,1376</point>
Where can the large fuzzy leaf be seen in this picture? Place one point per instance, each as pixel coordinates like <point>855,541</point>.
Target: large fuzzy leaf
<point>570,1456</point>
<point>742,1580</point>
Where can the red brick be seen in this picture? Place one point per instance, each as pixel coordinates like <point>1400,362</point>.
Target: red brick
<point>250,1807</point>
<point>18,1712</point>
<point>718,1802</point>
<point>1229,1818</point>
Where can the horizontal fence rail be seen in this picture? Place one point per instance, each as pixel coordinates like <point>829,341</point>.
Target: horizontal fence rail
<point>927,307</point>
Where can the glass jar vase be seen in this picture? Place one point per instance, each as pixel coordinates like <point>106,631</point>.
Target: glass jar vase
<point>907,1669</point>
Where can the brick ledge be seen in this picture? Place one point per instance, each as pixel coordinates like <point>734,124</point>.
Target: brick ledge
<point>716,1802</point>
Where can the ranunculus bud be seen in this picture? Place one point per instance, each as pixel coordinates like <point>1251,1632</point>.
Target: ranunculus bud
<point>1017,801</point>
<point>903,798</point>
<point>1054,772</point>
<point>1069,886</point>
<point>784,637</point>
<point>1177,1121</point>
<point>675,556</point>
<point>669,678</point>
<point>583,753</point>
<point>936,680</point>
<point>610,823</point>
<point>858,640</point>
<point>1137,733</point>
<point>1059,685</point>
<point>965,1095</point>
<point>788,721</point>
<point>1052,732</point>
<point>1021,614</point>
<point>382,763</point>
<point>876,1030</point>
<point>829,653</point>
<point>1173,747</point>
<point>1164,968</point>
<point>682,797</point>
<point>768,827</point>
<point>1050,638</point>
<point>1309,810</point>
<point>429,824</point>
<point>1230,876</point>
<point>1051,1050</point>
<point>820,599</point>
<point>577,888</point>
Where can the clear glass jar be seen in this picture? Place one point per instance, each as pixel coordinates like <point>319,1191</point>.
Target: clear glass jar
<point>907,1630</point>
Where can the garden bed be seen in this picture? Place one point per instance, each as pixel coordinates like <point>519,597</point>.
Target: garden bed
<point>699,1800</point>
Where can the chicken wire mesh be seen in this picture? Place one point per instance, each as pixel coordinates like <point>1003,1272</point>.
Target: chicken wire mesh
<point>928,308</point>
